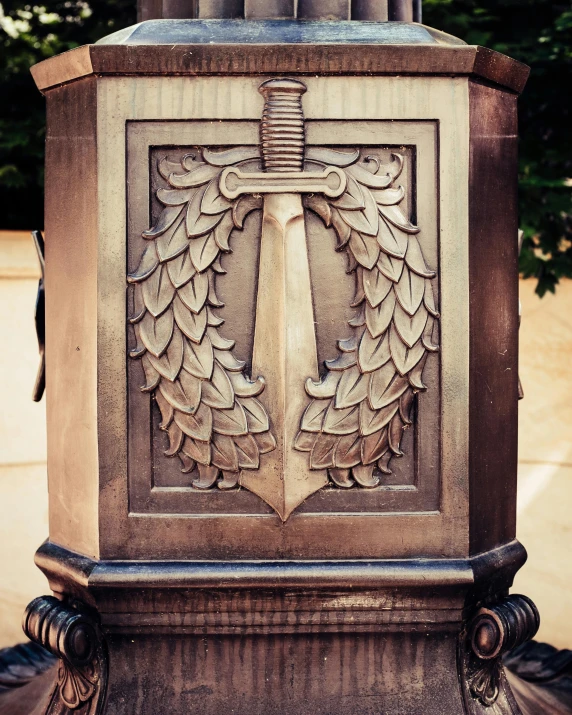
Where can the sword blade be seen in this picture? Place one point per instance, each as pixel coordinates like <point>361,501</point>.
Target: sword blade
<point>284,352</point>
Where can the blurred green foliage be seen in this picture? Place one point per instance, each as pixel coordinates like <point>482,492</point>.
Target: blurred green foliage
<point>537,32</point>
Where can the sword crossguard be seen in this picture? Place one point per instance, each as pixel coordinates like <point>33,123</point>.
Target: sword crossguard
<point>282,135</point>
<point>331,182</point>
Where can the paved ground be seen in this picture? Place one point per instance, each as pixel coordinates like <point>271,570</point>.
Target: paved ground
<point>545,476</point>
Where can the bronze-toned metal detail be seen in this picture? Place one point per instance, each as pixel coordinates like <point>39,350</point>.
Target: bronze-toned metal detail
<point>492,633</point>
<point>73,636</point>
<point>361,406</point>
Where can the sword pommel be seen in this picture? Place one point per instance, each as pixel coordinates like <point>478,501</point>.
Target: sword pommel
<point>282,126</point>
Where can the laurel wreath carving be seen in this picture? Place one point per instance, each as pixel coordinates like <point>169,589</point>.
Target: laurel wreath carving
<point>354,424</point>
<point>360,408</point>
<point>209,406</point>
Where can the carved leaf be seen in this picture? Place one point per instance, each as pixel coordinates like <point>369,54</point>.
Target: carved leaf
<point>364,249</point>
<point>265,441</point>
<point>415,261</point>
<point>429,299</point>
<point>410,327</point>
<point>138,304</point>
<point>166,167</point>
<point>404,358</point>
<point>410,290</point>
<point>229,362</point>
<point>230,422</point>
<point>197,450</point>
<point>373,352</point>
<point>212,296</point>
<point>360,221</point>
<point>318,204</point>
<point>364,475</point>
<point>198,358</point>
<point>256,415</point>
<point>223,453</point>
<point>152,377</point>
<point>341,477</point>
<point>428,337</point>
<point>365,177</point>
<point>218,341</point>
<point>158,292</point>
<point>352,199</point>
<point>167,411</point>
<point>387,197</point>
<point>199,426</point>
<point>349,345</point>
<point>176,438</point>
<point>188,463</point>
<point>352,388</point>
<point>331,157</point>
<point>243,387</point>
<point>378,319</point>
<point>358,320</point>
<point>416,375</point>
<point>396,216</point>
<point>341,421</point>
<point>173,242</point>
<point>213,320</point>
<point>198,223</point>
<point>149,261</point>
<point>194,293</point>
<point>405,405</point>
<point>390,266</point>
<point>247,451</point>
<point>326,387</point>
<point>166,219</point>
<point>213,201</point>
<point>218,391</point>
<point>304,441</point>
<point>184,394</point>
<point>371,421</point>
<point>243,206</point>
<point>174,197</point>
<point>222,232</point>
<point>192,324</point>
<point>348,451</point>
<point>181,270</point>
<point>342,362</point>
<point>231,156</point>
<point>313,417</point>
<point>196,177</point>
<point>342,229</point>
<point>203,251</point>
<point>376,286</point>
<point>386,386</point>
<point>374,446</point>
<point>156,333</point>
<point>395,434</point>
<point>391,240</point>
<point>207,477</point>
<point>170,363</point>
<point>322,455</point>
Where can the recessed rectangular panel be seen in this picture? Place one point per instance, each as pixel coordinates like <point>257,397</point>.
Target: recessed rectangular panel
<point>369,421</point>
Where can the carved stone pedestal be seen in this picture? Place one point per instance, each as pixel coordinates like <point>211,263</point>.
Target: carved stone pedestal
<point>281,300</point>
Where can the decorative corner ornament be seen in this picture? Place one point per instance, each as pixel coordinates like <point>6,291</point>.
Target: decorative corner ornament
<point>73,636</point>
<point>288,432</point>
<point>492,633</point>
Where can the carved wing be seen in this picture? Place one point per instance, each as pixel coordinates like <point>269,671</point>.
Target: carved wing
<point>362,405</point>
<point>209,406</point>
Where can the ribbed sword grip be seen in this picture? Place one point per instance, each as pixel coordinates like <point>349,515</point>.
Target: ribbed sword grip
<point>282,127</point>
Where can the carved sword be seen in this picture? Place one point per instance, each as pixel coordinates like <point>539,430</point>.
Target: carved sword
<point>284,338</point>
